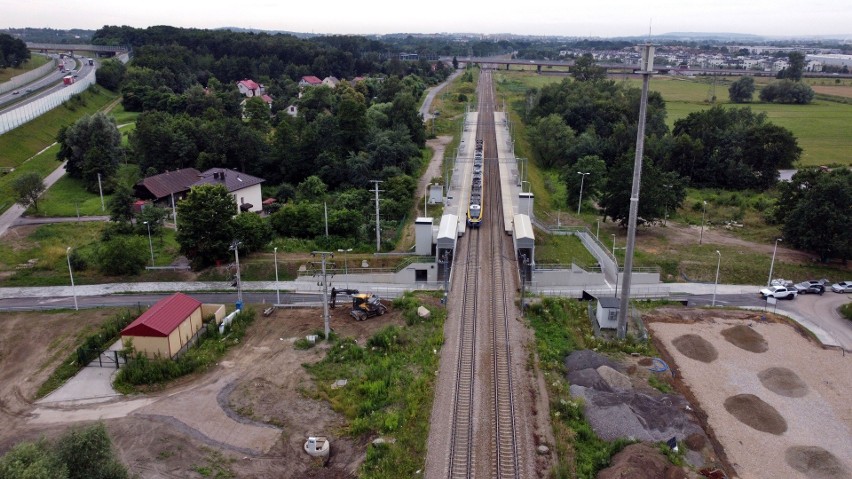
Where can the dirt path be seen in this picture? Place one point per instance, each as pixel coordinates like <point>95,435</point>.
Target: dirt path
<point>679,234</point>
<point>438,145</point>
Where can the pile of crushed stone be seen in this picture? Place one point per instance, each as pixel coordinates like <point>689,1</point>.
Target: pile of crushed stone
<point>615,410</point>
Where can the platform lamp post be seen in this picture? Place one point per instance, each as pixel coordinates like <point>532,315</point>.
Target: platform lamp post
<point>524,263</point>
<point>71,274</point>
<point>772,264</point>
<point>715,283</point>
<point>703,214</point>
<point>277,289</point>
<point>345,265</point>
<point>150,244</point>
<point>582,178</point>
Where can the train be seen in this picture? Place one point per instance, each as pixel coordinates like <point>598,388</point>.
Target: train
<point>474,209</point>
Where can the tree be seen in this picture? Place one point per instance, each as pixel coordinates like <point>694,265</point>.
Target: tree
<point>795,66</point>
<point>13,51</point>
<point>741,90</point>
<point>586,70</point>
<point>111,74</point>
<point>32,460</point>
<point>253,231</point>
<point>122,255</point>
<point>787,91</point>
<point>455,63</point>
<point>120,204</point>
<point>550,139</point>
<point>28,188</point>
<point>91,146</point>
<point>654,195</point>
<point>592,183</point>
<point>88,454</point>
<point>820,220</point>
<point>204,229</point>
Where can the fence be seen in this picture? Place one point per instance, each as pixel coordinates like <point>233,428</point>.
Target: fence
<point>21,80</point>
<point>33,109</point>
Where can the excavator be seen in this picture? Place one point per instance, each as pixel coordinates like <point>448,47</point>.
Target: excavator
<point>364,305</point>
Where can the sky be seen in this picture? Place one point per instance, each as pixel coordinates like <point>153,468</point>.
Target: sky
<point>588,18</point>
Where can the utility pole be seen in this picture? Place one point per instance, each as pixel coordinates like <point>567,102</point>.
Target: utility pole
<point>324,283</point>
<point>646,68</point>
<point>235,246</point>
<point>378,224</point>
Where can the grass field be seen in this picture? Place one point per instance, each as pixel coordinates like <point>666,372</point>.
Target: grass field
<point>822,127</point>
<point>34,62</point>
<point>18,145</point>
<point>67,197</point>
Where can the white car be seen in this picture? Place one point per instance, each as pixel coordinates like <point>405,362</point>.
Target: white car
<point>779,292</point>
<point>842,287</point>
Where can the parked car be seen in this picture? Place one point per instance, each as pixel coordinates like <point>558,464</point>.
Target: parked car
<point>810,287</point>
<point>16,92</point>
<point>778,292</point>
<point>842,287</point>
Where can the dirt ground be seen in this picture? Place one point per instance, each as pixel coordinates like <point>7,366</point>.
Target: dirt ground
<point>773,401</point>
<point>249,415</point>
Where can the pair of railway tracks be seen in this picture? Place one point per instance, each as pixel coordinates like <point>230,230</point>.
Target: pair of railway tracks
<point>484,433</point>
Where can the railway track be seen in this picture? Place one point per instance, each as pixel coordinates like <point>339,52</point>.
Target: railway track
<point>484,433</point>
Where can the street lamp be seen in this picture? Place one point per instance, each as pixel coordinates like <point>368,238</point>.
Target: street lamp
<point>582,177</point>
<point>613,244</point>
<point>277,289</point>
<point>666,214</point>
<point>235,247</point>
<point>71,274</point>
<point>150,244</point>
<point>719,263</point>
<point>772,264</point>
<point>703,213</point>
<point>345,266</point>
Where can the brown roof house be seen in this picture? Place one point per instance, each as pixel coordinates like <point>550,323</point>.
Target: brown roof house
<point>169,326</point>
<point>166,189</point>
<point>176,184</point>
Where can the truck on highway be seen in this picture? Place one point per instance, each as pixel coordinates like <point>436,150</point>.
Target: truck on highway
<point>68,79</point>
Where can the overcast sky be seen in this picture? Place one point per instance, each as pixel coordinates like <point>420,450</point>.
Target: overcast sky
<point>542,17</point>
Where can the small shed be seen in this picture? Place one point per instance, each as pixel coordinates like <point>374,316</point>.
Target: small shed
<point>607,312</point>
<point>165,327</point>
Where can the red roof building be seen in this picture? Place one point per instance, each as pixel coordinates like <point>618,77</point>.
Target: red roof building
<point>166,327</point>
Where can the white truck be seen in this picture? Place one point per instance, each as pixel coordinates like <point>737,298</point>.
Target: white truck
<point>779,292</point>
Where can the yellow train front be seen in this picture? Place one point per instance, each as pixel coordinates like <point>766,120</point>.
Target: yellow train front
<point>474,215</point>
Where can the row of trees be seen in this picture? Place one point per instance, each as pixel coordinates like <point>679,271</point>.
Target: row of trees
<point>589,125</point>
<point>789,88</point>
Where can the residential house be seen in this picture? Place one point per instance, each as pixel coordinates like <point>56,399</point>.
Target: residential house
<point>330,81</point>
<point>249,88</point>
<point>292,110</point>
<point>309,80</point>
<point>244,188</point>
<point>166,189</point>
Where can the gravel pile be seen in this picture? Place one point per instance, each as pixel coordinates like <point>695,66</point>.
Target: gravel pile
<point>615,410</point>
<point>636,415</point>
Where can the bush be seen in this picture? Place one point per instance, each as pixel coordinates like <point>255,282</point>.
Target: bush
<point>787,91</point>
<point>123,255</point>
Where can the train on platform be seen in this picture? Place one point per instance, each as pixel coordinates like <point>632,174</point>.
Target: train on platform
<point>474,210</point>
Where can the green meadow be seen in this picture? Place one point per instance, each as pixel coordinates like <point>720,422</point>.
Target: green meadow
<point>822,127</point>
